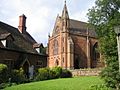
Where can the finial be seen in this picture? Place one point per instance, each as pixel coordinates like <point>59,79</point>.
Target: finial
<point>49,35</point>
<point>65,1</point>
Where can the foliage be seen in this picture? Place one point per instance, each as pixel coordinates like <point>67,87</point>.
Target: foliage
<point>99,87</point>
<point>3,73</point>
<point>52,74</point>
<point>4,85</point>
<point>104,16</point>
<point>66,74</point>
<point>77,83</point>
<point>43,74</point>
<point>56,72</point>
<point>17,76</point>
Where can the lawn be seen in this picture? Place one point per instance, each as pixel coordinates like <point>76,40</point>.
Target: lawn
<point>77,83</point>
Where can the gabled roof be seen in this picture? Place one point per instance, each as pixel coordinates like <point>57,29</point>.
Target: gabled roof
<point>36,45</point>
<point>22,42</point>
<point>4,36</point>
<point>78,24</point>
<point>80,27</point>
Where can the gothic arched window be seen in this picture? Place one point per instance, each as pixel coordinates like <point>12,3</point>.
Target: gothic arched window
<point>56,63</point>
<point>96,55</point>
<point>95,52</point>
<point>55,47</point>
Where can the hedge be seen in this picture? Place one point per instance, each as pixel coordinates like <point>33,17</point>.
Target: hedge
<point>56,72</point>
<point>3,73</point>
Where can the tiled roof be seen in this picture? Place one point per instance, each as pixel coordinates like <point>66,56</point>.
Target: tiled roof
<point>81,28</point>
<point>22,42</point>
<point>4,36</point>
<point>77,24</point>
<point>36,45</point>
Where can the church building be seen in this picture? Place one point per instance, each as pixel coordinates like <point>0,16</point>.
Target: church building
<point>73,44</point>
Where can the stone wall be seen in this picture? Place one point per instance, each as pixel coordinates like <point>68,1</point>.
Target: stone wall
<point>86,72</point>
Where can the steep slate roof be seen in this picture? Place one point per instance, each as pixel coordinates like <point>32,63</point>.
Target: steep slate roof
<point>81,28</point>
<point>4,36</point>
<point>36,45</point>
<point>22,42</point>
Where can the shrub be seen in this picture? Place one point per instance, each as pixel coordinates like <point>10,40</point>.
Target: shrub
<point>4,85</point>
<point>52,74</point>
<point>3,73</point>
<point>17,76</point>
<point>99,87</point>
<point>43,74</point>
<point>66,73</point>
<point>111,77</point>
<point>58,71</point>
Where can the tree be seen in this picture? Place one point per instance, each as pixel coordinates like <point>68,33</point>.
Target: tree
<point>103,17</point>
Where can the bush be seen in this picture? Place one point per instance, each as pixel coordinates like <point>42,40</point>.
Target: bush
<point>99,87</point>
<point>52,74</point>
<point>4,85</point>
<point>17,76</point>
<point>43,74</point>
<point>66,74</point>
<point>111,77</point>
<point>3,73</point>
<point>56,72</point>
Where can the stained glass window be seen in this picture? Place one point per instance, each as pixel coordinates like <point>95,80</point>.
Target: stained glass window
<point>55,45</point>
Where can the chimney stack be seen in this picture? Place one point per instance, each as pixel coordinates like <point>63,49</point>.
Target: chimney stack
<point>22,23</point>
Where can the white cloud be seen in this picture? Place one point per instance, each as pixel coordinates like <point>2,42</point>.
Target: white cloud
<point>80,16</point>
<point>41,14</point>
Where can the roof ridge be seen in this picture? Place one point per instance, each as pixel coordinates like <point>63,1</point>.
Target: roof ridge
<point>8,25</point>
<point>79,21</point>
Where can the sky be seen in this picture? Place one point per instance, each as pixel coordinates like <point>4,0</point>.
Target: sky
<point>41,14</point>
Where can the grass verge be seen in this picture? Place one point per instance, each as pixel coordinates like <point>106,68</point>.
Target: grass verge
<point>76,83</point>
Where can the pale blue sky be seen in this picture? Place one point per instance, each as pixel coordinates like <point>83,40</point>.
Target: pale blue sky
<point>41,14</point>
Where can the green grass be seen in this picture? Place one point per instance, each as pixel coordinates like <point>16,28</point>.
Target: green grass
<point>77,83</point>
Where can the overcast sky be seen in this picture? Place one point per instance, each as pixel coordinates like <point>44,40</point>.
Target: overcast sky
<point>41,14</point>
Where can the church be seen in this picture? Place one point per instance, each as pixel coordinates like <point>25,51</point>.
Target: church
<point>73,44</point>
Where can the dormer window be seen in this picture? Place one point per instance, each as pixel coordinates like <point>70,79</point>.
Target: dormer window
<point>3,42</point>
<point>38,47</point>
<point>6,39</point>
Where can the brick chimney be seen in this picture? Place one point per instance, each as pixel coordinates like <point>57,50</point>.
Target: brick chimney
<point>22,23</point>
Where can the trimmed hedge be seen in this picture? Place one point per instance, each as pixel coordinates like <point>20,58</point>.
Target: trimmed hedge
<point>56,72</point>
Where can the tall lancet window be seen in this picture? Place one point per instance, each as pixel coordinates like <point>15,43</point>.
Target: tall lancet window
<point>55,47</point>
<point>96,56</point>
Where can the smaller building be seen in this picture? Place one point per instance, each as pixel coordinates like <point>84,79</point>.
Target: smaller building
<point>19,49</point>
